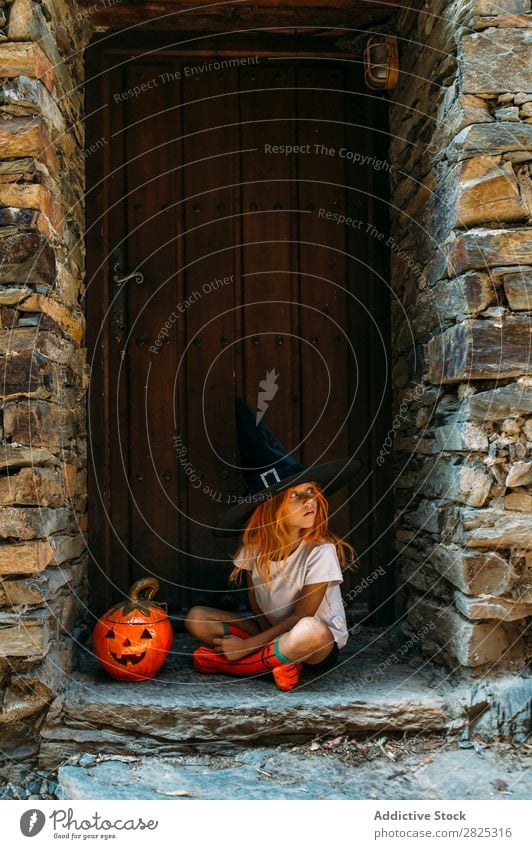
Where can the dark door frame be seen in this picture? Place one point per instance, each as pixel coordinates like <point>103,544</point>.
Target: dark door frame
<point>98,59</point>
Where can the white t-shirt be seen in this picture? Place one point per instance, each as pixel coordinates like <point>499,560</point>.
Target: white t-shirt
<point>310,563</point>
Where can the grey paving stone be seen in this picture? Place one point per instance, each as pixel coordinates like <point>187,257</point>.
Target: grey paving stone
<point>270,773</point>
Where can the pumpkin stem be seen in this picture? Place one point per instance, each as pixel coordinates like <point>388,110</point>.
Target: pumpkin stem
<point>149,586</point>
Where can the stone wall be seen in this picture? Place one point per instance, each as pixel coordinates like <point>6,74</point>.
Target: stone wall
<point>462,294</point>
<point>43,562</point>
<point>461,440</point>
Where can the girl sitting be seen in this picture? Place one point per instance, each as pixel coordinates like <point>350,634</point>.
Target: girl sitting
<point>292,561</point>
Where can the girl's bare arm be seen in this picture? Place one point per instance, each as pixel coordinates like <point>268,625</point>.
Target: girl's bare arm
<point>307,605</point>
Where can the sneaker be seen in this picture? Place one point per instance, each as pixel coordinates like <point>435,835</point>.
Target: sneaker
<point>287,676</point>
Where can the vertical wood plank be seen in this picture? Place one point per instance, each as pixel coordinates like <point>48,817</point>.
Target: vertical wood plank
<point>152,153</point>
<point>269,314</point>
<point>211,156</point>
<point>116,390</point>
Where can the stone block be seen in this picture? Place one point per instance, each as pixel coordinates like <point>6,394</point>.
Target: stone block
<point>68,286</point>
<point>66,548</point>
<point>25,697</point>
<point>464,110</point>
<point>26,59</point>
<point>499,7</point>
<point>73,325</point>
<point>51,345</point>
<point>496,60</point>
<point>469,294</point>
<point>21,219</point>
<point>44,226</point>
<point>428,516</point>
<point>425,580</point>
<point>24,635</point>
<point>10,297</point>
<point>524,594</point>
<point>31,95</point>
<point>520,474</point>
<point>507,113</point>
<point>477,350</point>
<point>25,558</point>
<point>460,436</point>
<point>30,522</point>
<point>458,639</point>
<point>70,612</point>
<point>30,374</point>
<point>26,21</point>
<point>23,170</point>
<point>485,192</point>
<point>58,664</point>
<point>500,21</point>
<point>43,487</point>
<point>28,137</point>
<point>34,197</point>
<point>41,424</point>
<point>499,708</point>
<point>39,589</point>
<point>491,139</point>
<point>27,259</point>
<point>514,399</point>
<point>489,528</point>
<point>468,483</point>
<point>520,500</point>
<point>482,249</point>
<point>518,287</point>
<point>492,607</point>
<point>456,111</point>
<point>28,24</point>
<point>15,457</point>
<point>474,574</point>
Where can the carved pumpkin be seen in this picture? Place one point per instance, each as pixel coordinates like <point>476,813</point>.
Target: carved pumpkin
<point>133,639</point>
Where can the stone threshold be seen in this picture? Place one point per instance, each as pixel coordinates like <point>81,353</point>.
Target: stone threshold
<point>182,710</point>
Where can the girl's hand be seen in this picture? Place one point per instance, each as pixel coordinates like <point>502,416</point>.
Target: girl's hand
<point>232,647</point>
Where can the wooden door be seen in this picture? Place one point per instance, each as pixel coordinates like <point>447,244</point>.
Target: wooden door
<point>220,266</point>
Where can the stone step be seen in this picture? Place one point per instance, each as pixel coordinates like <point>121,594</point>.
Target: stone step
<point>274,773</point>
<point>371,690</point>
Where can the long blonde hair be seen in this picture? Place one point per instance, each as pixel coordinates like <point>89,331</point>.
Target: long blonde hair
<point>267,532</point>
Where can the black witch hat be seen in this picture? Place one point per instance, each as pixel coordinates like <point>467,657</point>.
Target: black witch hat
<point>269,469</point>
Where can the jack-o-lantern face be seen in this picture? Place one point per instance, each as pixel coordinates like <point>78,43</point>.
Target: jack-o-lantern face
<point>124,653</point>
<point>133,639</point>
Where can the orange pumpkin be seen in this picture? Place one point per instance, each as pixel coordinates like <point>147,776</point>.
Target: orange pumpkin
<point>133,639</point>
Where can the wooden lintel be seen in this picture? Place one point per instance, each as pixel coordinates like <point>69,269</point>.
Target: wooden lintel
<point>217,16</point>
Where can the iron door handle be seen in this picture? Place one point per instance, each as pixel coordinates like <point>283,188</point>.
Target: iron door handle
<point>139,278</point>
<point>119,261</point>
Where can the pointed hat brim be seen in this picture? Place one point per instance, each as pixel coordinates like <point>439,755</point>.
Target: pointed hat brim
<point>330,477</point>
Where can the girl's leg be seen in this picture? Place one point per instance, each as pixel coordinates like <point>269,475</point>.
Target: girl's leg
<point>205,623</point>
<point>310,640</point>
